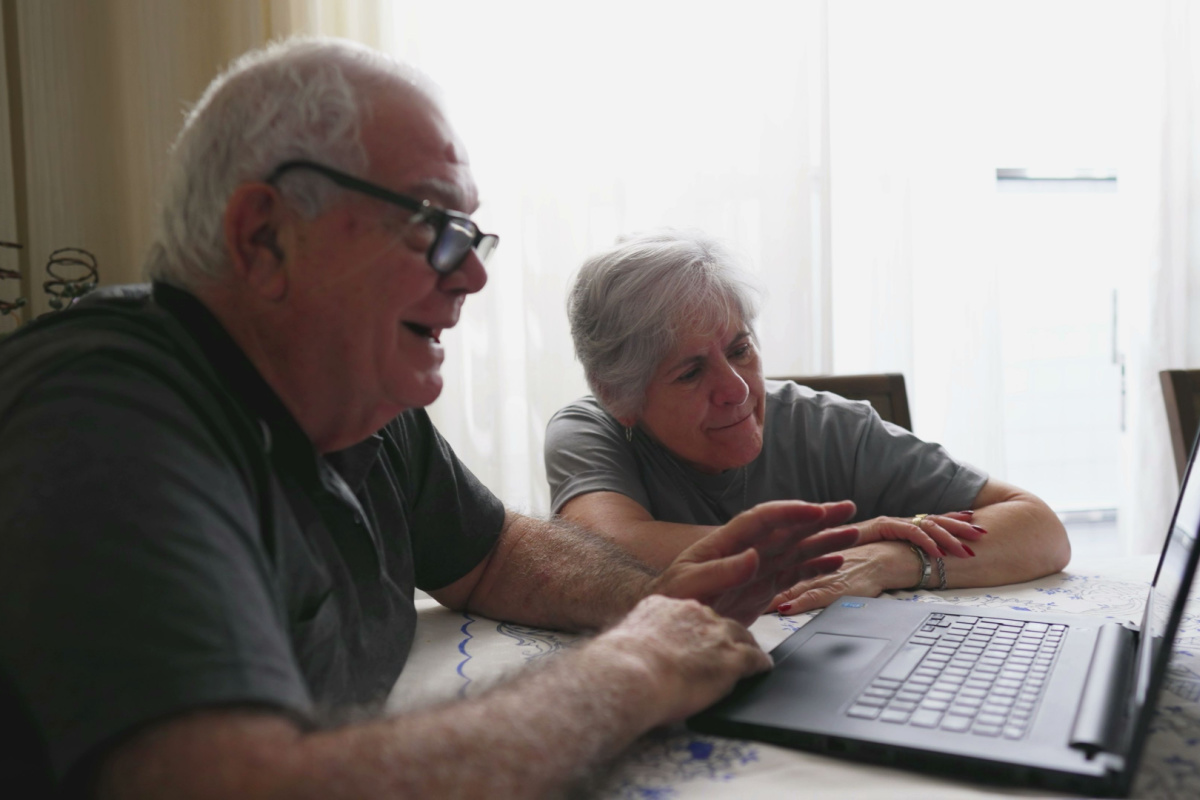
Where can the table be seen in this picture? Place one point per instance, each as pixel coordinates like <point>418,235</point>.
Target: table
<point>457,655</point>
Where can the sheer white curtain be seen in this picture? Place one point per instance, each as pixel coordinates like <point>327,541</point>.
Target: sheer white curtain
<point>928,98</point>
<point>912,185</point>
<point>1161,323</point>
<point>587,121</point>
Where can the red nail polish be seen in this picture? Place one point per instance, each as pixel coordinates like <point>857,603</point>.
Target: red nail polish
<point>969,550</point>
<point>786,607</point>
<point>981,530</point>
<point>942,550</point>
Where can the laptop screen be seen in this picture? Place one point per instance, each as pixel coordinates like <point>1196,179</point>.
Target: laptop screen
<point>1177,553</point>
<point>1164,607</point>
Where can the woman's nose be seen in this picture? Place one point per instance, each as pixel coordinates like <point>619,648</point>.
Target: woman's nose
<point>731,388</point>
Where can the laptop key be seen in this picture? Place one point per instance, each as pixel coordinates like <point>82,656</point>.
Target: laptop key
<point>986,730</point>
<point>925,718</point>
<point>894,715</point>
<point>863,712</point>
<point>1011,732</point>
<point>955,723</point>
<point>904,662</point>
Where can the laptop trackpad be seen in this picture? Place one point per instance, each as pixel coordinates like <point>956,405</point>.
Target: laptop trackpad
<point>832,652</point>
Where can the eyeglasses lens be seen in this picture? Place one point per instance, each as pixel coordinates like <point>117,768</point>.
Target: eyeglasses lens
<point>487,246</point>
<point>451,246</point>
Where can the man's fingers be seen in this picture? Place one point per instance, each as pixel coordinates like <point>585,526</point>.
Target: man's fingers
<point>709,578</point>
<point>756,660</point>
<point>751,527</point>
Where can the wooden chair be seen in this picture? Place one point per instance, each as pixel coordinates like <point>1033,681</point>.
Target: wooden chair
<point>884,391</point>
<point>1181,391</point>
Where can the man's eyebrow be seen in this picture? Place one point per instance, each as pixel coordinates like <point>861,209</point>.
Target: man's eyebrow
<point>441,192</point>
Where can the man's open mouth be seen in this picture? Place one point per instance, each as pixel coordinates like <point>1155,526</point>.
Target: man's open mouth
<point>422,330</point>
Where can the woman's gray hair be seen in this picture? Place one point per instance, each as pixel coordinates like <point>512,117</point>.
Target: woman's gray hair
<point>631,304</point>
<point>301,98</point>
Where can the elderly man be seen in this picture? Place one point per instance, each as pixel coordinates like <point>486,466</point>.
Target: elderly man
<point>218,493</point>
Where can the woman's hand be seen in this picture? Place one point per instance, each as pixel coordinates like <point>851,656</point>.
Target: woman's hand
<point>882,559</point>
<point>866,571</point>
<point>740,567</point>
<point>936,534</point>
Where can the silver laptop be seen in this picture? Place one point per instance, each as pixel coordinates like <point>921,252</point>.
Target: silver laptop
<point>1060,702</point>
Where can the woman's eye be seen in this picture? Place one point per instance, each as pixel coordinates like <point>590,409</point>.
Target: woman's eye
<point>690,375</point>
<point>741,352</point>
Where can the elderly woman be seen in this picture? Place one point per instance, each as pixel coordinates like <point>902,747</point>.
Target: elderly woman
<point>683,433</point>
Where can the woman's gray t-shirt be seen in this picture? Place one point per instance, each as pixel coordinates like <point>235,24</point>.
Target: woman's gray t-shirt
<point>817,447</point>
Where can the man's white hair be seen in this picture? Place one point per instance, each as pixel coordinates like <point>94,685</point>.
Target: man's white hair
<point>301,98</point>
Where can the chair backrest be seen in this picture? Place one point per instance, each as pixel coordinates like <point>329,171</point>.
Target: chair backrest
<point>1181,391</point>
<point>884,391</point>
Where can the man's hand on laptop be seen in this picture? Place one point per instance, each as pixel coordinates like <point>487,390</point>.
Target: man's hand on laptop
<point>691,655</point>
<point>739,568</point>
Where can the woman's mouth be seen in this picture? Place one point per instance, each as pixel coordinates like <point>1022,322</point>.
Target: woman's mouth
<point>733,424</point>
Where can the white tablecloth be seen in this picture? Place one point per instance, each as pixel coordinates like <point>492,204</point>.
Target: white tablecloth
<point>457,655</point>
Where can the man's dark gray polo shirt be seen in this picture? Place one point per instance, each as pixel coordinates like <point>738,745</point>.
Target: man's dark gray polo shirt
<point>170,539</point>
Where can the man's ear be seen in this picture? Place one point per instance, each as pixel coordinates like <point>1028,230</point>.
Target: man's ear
<point>252,219</point>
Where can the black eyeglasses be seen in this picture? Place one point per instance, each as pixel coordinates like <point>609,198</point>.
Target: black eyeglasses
<point>455,233</point>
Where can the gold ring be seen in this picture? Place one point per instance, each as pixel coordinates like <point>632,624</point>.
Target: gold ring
<point>917,518</point>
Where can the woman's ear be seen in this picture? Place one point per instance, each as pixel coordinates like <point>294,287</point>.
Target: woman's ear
<point>252,219</point>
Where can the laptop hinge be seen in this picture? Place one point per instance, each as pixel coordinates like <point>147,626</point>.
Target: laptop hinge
<point>1101,715</point>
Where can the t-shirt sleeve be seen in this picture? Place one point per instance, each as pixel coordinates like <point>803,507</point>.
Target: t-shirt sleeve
<point>585,451</point>
<point>898,474</point>
<point>135,583</point>
<point>455,520</point>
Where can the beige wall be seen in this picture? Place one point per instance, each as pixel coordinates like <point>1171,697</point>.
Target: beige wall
<point>104,85</point>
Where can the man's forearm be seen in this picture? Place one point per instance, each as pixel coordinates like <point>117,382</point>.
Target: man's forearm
<point>556,574</point>
<point>534,737</point>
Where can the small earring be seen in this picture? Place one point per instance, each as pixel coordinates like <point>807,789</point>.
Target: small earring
<point>629,434</point>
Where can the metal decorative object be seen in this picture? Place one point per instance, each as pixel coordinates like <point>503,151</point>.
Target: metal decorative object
<point>73,273</point>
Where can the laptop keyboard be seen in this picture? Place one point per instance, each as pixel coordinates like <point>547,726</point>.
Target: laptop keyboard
<point>965,674</point>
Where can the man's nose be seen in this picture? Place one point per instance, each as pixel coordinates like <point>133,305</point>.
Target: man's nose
<point>470,277</point>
